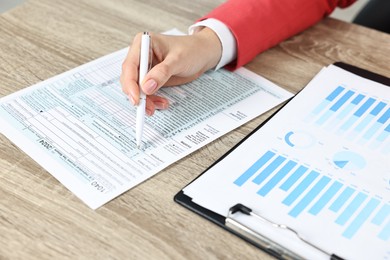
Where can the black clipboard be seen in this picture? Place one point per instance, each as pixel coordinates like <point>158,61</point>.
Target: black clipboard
<point>260,241</point>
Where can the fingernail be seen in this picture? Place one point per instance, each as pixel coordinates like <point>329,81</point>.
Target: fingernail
<point>132,100</point>
<point>148,112</point>
<point>150,86</point>
<point>161,105</point>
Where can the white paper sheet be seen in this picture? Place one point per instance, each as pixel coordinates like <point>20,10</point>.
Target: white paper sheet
<point>81,128</point>
<point>320,166</point>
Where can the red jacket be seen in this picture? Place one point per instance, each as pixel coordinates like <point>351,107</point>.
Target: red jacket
<point>260,24</point>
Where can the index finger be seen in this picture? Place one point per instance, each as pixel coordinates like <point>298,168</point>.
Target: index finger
<point>129,75</point>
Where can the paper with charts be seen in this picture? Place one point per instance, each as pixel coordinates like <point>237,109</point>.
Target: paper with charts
<point>80,127</point>
<point>320,166</point>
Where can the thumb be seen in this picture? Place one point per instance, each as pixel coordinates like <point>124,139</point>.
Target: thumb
<point>156,78</point>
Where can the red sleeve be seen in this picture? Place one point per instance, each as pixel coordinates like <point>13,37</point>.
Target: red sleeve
<point>260,24</point>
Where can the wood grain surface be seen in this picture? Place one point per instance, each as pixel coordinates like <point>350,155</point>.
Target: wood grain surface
<point>41,219</point>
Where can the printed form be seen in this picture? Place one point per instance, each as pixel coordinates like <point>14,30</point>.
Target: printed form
<point>80,126</point>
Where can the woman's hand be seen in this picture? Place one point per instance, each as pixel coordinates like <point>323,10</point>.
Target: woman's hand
<point>176,60</point>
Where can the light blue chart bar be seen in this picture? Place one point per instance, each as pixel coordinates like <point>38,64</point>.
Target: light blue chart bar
<point>335,107</point>
<point>382,214</point>
<point>360,218</point>
<point>269,169</point>
<point>300,189</point>
<point>325,198</point>
<point>254,168</point>
<point>293,178</point>
<point>309,197</point>
<point>351,208</point>
<point>377,125</point>
<point>350,106</point>
<point>364,123</point>
<point>385,233</point>
<point>372,130</point>
<point>344,112</point>
<point>340,201</point>
<point>328,100</point>
<point>366,105</point>
<point>276,178</point>
<point>370,117</point>
<point>382,137</point>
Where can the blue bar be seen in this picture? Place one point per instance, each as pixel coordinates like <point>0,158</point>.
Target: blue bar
<point>293,178</point>
<point>374,112</point>
<point>357,99</point>
<point>364,123</point>
<point>351,208</point>
<point>385,233</point>
<point>360,218</point>
<point>253,169</point>
<point>378,108</point>
<point>300,188</point>
<point>277,178</point>
<point>335,93</point>
<point>372,130</point>
<point>342,100</point>
<point>269,169</point>
<point>384,117</point>
<point>350,106</point>
<point>364,107</point>
<point>309,197</point>
<point>326,197</point>
<point>387,129</point>
<point>381,215</point>
<point>339,202</point>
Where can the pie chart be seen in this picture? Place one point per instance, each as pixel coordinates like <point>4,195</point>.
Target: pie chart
<point>348,160</point>
<point>299,139</point>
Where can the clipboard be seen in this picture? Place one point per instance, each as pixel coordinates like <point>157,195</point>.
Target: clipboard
<point>239,229</point>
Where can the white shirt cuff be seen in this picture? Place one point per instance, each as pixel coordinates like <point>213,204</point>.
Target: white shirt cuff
<point>228,42</point>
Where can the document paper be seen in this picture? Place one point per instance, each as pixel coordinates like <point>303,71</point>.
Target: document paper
<point>320,166</point>
<point>80,126</point>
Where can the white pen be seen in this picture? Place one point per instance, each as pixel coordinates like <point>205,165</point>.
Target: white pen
<point>143,69</point>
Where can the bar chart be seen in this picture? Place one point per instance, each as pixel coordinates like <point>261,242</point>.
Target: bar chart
<point>309,191</point>
<point>319,166</point>
<point>356,116</point>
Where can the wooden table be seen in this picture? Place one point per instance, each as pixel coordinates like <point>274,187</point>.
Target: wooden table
<point>41,219</point>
